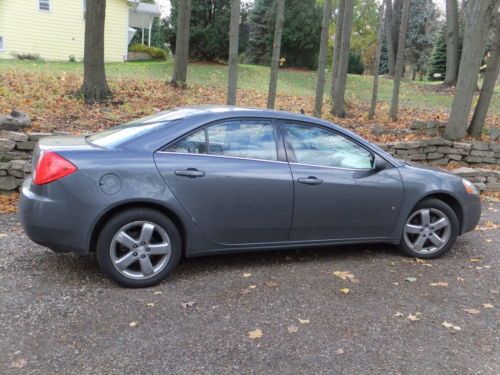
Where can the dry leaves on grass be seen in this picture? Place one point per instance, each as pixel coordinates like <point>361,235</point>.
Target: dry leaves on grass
<point>256,334</point>
<point>488,225</point>
<point>472,311</point>
<point>8,203</point>
<point>346,275</point>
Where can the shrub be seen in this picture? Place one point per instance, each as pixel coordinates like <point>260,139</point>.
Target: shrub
<point>155,53</point>
<point>356,65</point>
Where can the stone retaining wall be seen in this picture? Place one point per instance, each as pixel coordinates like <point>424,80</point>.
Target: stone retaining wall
<point>16,149</point>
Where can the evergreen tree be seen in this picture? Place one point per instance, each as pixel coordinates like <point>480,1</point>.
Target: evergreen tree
<point>437,66</point>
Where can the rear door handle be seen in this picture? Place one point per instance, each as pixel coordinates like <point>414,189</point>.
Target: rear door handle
<point>190,172</point>
<point>311,180</point>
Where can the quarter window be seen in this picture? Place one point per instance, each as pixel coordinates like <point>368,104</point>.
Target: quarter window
<point>44,5</point>
<point>318,146</point>
<point>243,138</point>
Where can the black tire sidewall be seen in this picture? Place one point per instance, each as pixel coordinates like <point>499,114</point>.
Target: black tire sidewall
<point>452,217</point>
<point>116,223</point>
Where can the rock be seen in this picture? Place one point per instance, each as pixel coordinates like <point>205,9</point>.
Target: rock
<point>13,136</point>
<point>439,142</point>
<point>494,186</point>
<point>480,186</point>
<point>432,132</point>
<point>494,133</point>
<point>14,155</point>
<point>418,125</point>
<point>488,154</point>
<point>4,166</point>
<point>15,121</point>
<point>454,157</point>
<point>7,144</point>
<point>462,145</point>
<point>28,145</point>
<point>407,145</point>
<point>489,160</point>
<point>450,150</point>
<point>417,157</point>
<point>481,146</point>
<point>441,161</point>
<point>18,165</point>
<point>37,136</point>
<point>60,132</point>
<point>473,159</point>
<point>465,171</point>
<point>494,146</point>
<point>436,124</point>
<point>15,173</point>
<point>8,183</point>
<point>3,173</point>
<point>378,129</point>
<point>430,149</point>
<point>434,155</point>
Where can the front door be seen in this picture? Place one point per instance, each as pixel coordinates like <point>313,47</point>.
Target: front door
<point>228,178</point>
<point>337,193</point>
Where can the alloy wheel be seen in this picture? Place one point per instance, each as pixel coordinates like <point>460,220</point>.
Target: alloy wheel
<point>427,231</point>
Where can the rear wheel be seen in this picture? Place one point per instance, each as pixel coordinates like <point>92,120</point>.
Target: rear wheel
<point>430,230</point>
<point>138,247</point>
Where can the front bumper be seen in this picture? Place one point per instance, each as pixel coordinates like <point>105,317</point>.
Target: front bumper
<point>471,206</point>
<point>54,217</point>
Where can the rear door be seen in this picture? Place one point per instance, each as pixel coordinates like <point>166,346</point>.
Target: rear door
<point>230,180</point>
<point>337,193</point>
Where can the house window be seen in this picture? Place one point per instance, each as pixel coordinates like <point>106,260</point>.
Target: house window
<point>44,5</point>
<point>84,6</point>
<point>2,43</point>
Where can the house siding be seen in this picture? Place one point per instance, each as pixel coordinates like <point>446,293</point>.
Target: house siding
<point>60,32</point>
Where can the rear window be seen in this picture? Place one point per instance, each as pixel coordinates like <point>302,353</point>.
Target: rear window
<point>122,133</point>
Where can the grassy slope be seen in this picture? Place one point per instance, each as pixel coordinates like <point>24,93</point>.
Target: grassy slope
<point>291,82</point>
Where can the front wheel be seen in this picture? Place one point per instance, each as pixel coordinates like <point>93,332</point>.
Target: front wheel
<point>138,247</point>
<point>430,230</point>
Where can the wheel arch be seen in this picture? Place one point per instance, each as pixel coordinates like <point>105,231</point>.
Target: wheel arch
<point>451,201</point>
<point>138,204</point>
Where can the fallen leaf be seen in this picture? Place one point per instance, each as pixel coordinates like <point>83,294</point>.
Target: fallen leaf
<point>422,262</point>
<point>157,293</point>
<point>18,363</point>
<point>252,286</point>
<point>293,329</point>
<point>392,263</point>
<point>411,279</point>
<point>340,351</point>
<point>185,305</point>
<point>303,321</point>
<point>452,326</point>
<point>478,268</point>
<point>398,314</point>
<point>247,274</point>
<point>345,275</point>
<point>414,317</point>
<point>2,235</point>
<point>344,290</point>
<point>133,324</point>
<point>474,259</point>
<point>395,283</point>
<point>488,240</point>
<point>460,278</point>
<point>439,283</point>
<point>271,284</point>
<point>150,304</point>
<point>487,305</point>
<point>257,334</point>
<point>472,311</point>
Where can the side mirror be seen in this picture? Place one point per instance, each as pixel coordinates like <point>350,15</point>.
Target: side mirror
<point>378,164</point>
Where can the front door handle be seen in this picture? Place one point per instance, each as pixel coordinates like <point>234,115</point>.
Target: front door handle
<point>190,172</point>
<point>311,180</point>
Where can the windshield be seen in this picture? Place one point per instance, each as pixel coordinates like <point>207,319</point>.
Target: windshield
<point>122,133</point>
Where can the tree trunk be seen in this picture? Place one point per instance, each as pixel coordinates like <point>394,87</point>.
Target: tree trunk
<point>339,95</point>
<point>275,60</point>
<point>476,26</point>
<point>95,87</point>
<point>399,61</point>
<point>489,80</point>
<point>179,77</point>
<point>337,46</point>
<point>376,68</point>
<point>234,30</point>
<point>451,42</point>
<point>320,80</point>
<point>397,13</point>
<point>390,37</point>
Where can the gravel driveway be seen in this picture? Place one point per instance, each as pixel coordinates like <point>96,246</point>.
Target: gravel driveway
<point>58,314</point>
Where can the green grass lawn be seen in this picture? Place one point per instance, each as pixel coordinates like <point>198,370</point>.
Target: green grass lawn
<point>291,82</point>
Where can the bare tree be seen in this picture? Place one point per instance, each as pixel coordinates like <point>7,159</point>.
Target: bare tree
<point>234,31</point>
<point>376,68</point>
<point>179,77</point>
<point>95,87</point>
<point>275,60</point>
<point>399,61</point>
<point>340,85</point>
<point>391,55</point>
<point>477,16</point>
<point>337,45</point>
<point>489,80</point>
<point>451,42</point>
<point>320,80</point>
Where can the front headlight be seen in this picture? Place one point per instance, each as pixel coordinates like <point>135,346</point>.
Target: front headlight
<point>469,187</point>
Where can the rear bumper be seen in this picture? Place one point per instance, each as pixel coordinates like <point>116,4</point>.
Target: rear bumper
<point>471,206</point>
<point>54,217</point>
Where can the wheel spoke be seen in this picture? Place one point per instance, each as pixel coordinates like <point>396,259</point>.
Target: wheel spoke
<point>124,239</point>
<point>159,249</point>
<point>425,216</point>
<point>125,260</point>
<point>419,243</point>
<point>146,233</point>
<point>440,224</point>
<point>436,240</point>
<point>413,229</point>
<point>146,265</point>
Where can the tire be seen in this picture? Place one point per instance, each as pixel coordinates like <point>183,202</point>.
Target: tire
<point>146,239</point>
<point>418,228</point>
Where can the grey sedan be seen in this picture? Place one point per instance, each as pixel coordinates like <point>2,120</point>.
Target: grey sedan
<point>214,179</point>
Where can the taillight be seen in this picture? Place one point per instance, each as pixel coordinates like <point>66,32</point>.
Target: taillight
<point>51,167</point>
